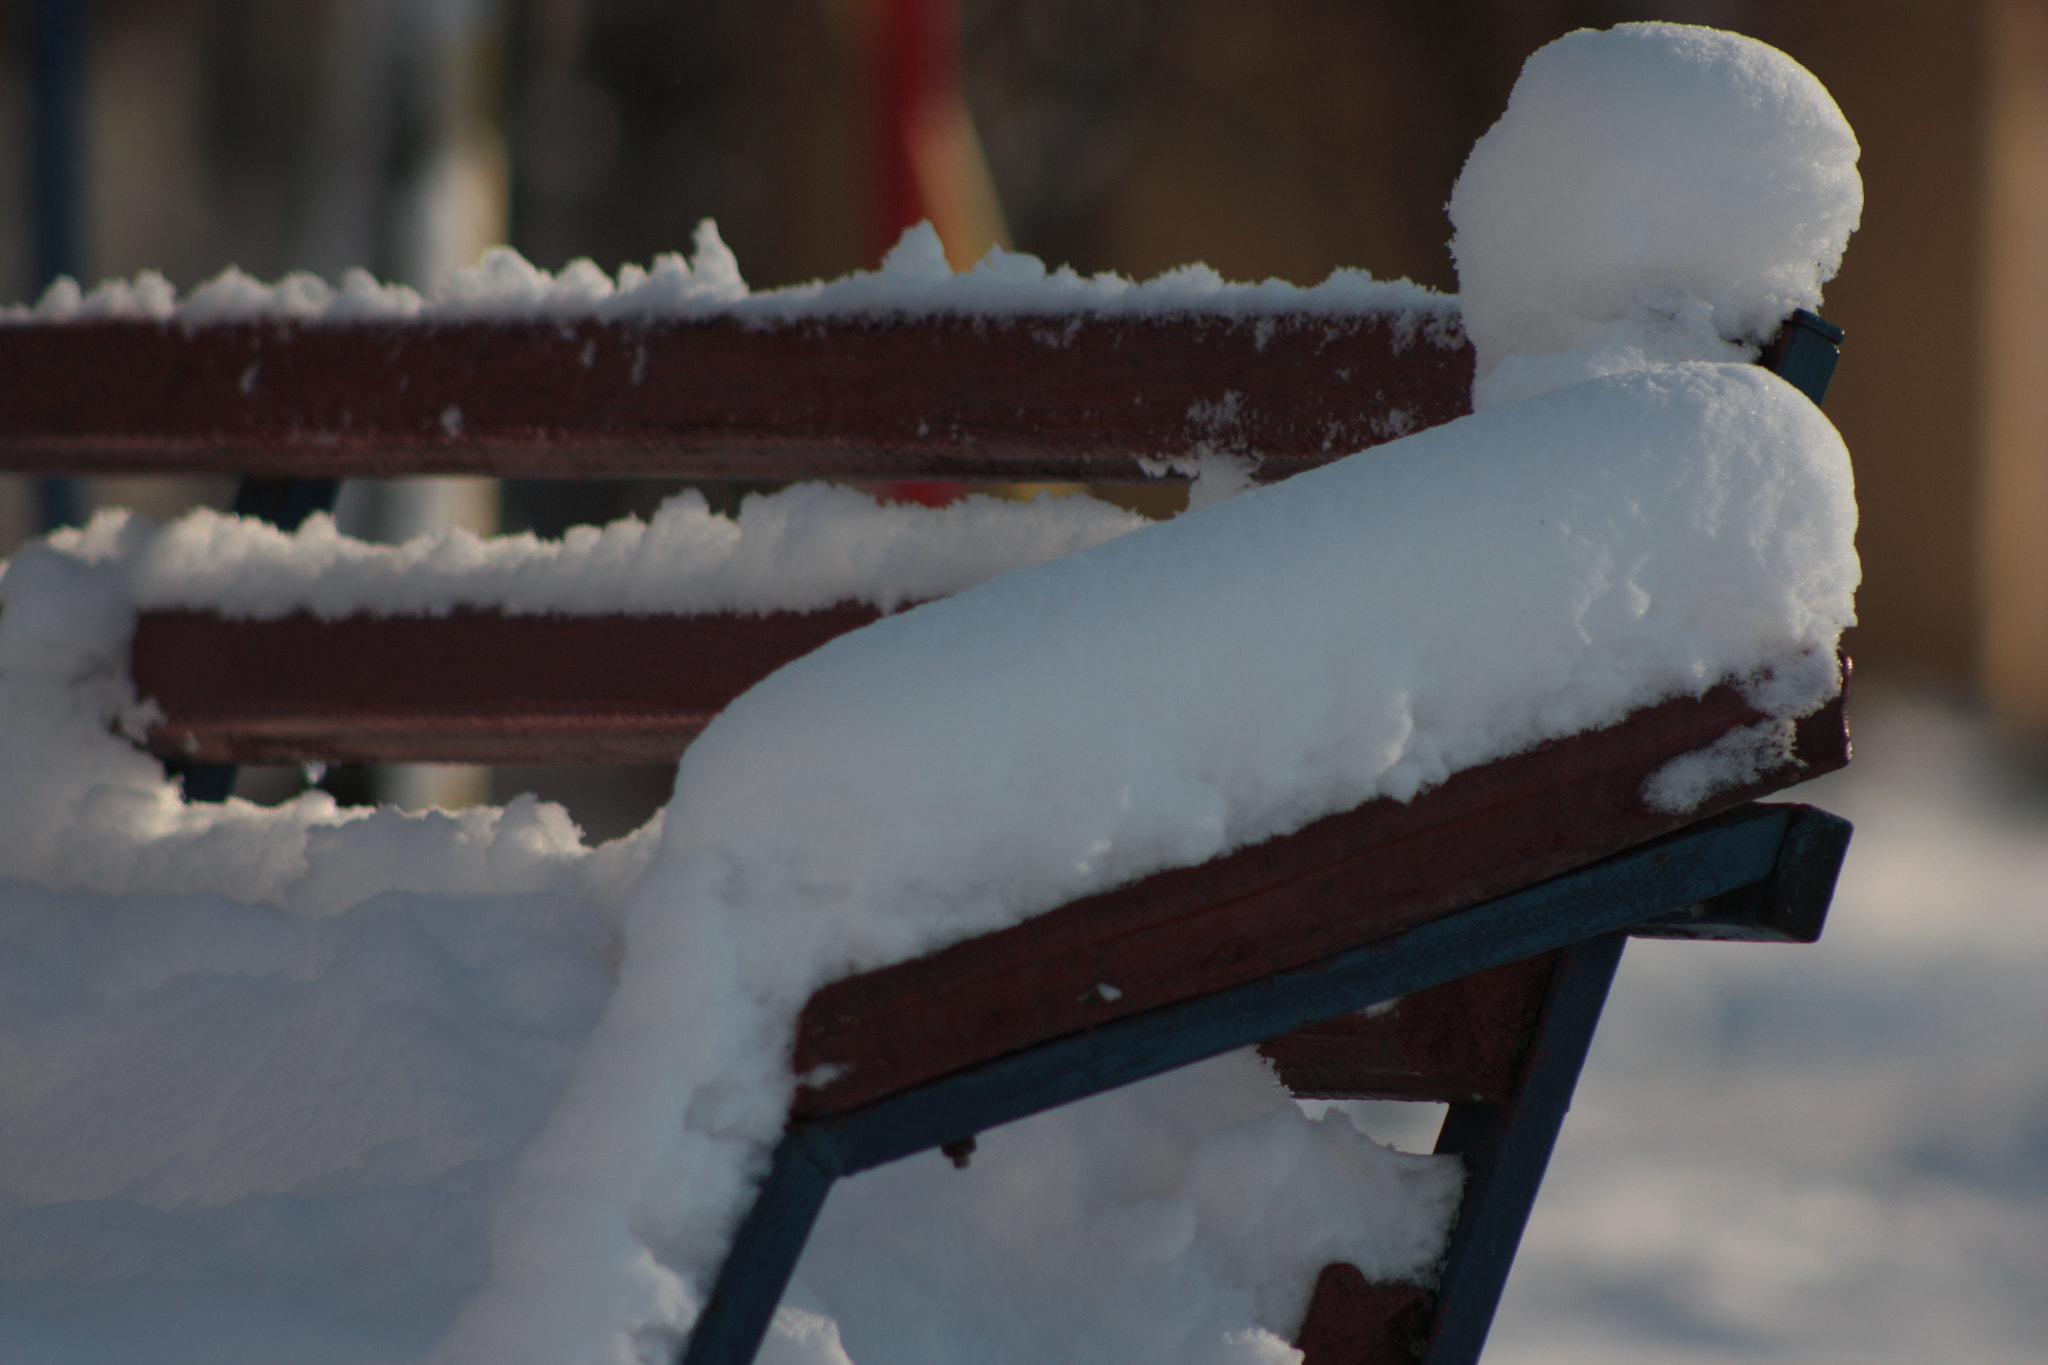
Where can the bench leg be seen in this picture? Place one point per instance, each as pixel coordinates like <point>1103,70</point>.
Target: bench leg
<point>764,1254</point>
<point>1505,1142</point>
<point>1507,1147</point>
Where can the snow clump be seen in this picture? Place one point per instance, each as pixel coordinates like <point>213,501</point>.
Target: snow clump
<point>1654,193</point>
<point>913,280</point>
<point>804,548</point>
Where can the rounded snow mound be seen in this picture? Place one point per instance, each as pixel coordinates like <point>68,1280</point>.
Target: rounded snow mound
<point>1653,193</point>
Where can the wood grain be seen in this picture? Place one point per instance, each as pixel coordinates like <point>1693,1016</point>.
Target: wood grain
<point>469,687</point>
<point>1341,882</point>
<point>1453,1043</point>
<point>1025,398</point>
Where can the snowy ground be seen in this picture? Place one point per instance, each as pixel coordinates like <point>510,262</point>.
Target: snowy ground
<point>1826,1154</point>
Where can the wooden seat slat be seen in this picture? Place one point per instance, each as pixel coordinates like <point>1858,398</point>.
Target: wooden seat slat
<point>468,687</point>
<point>1451,1044</point>
<point>1348,879</point>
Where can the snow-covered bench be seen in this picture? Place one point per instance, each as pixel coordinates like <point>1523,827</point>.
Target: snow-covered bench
<point>260,650</point>
<point>1449,936</point>
<point>1251,947</point>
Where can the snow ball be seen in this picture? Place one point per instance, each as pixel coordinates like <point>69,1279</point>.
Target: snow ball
<point>1653,193</point>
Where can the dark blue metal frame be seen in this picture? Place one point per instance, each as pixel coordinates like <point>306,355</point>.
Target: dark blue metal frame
<point>57,65</point>
<point>1712,864</point>
<point>57,46</point>
<point>1506,1149</point>
<point>1805,352</point>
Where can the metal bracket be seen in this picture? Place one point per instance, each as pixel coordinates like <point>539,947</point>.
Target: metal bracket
<point>1744,849</point>
<point>1804,353</point>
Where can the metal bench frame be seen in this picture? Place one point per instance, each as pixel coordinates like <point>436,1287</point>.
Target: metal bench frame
<point>294,408</point>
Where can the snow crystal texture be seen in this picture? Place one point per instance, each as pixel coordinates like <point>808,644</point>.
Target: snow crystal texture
<point>1653,193</point>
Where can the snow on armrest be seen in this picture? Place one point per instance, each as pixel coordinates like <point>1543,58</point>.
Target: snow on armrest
<point>1343,881</point>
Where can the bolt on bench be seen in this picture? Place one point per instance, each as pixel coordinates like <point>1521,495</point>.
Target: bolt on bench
<point>1490,910</point>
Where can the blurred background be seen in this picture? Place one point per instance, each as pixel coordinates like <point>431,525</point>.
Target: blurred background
<point>1266,137</point>
<point>1838,1154</point>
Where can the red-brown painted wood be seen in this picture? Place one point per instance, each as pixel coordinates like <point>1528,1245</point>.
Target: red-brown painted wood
<point>940,398</point>
<point>1338,883</point>
<point>469,687</point>
<point>1459,1041</point>
<point>1462,1041</point>
<point>1029,398</point>
<point>1352,1321</point>
<point>484,687</point>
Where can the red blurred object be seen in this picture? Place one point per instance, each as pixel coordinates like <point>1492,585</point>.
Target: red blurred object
<point>925,160</point>
<point>914,55</point>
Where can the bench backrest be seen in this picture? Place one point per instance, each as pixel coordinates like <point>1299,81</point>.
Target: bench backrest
<point>1014,398</point>
<point>943,396</point>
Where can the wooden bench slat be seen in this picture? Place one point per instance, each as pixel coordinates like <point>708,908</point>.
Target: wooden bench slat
<point>469,687</point>
<point>1341,881</point>
<point>480,686</point>
<point>946,397</point>
<point>1455,1043</point>
<point>1352,1321</point>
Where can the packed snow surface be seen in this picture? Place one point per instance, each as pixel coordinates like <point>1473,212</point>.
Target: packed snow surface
<point>1653,193</point>
<point>566,1162</point>
<point>913,281</point>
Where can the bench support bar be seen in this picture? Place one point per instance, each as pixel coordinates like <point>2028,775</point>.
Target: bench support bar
<point>1507,1147</point>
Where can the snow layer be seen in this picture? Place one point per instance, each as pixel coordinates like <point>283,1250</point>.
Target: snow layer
<point>807,547</point>
<point>1542,567</point>
<point>100,815</point>
<point>914,280</point>
<point>262,1084</point>
<point>1362,630</point>
<point>83,808</point>
<point>1180,1211</point>
<point>1653,193</point>
<point>263,1072</point>
<point>1455,595</point>
<point>236,1134</point>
